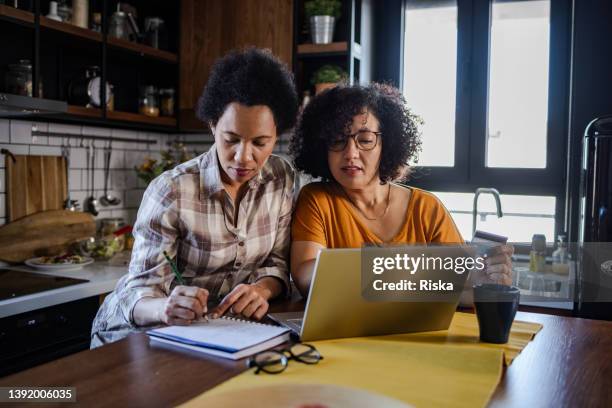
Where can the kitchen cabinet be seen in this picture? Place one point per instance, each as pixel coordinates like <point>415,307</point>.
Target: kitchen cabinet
<point>210,28</point>
<point>38,336</point>
<point>44,319</point>
<point>60,53</point>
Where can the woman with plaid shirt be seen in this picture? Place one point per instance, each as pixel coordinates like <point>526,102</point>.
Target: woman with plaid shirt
<point>224,216</point>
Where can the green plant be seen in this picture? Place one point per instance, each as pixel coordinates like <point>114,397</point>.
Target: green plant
<point>328,73</point>
<point>151,168</point>
<point>323,8</point>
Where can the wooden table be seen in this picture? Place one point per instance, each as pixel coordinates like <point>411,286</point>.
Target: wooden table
<point>568,364</point>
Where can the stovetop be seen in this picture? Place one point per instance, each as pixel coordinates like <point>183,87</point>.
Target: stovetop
<point>15,283</point>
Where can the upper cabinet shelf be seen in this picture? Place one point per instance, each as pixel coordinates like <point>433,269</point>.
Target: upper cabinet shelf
<point>335,48</point>
<point>11,13</point>
<point>143,50</point>
<point>22,16</point>
<point>70,29</point>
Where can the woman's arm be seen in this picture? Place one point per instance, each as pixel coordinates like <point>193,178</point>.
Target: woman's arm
<point>303,256</point>
<point>145,297</point>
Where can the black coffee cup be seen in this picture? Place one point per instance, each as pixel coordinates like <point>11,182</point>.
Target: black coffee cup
<point>496,306</point>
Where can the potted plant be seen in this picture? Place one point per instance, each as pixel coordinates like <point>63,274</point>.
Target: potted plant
<point>322,15</point>
<point>327,77</point>
<point>151,168</point>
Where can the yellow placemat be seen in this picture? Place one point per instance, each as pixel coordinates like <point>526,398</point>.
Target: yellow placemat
<point>463,331</point>
<point>419,374</point>
<point>445,368</point>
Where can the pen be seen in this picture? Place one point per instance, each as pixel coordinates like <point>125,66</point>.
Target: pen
<point>178,275</point>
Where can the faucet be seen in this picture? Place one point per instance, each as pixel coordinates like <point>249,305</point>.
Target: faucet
<point>479,191</point>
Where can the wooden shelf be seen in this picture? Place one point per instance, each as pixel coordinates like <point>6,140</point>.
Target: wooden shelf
<point>143,50</point>
<point>83,111</point>
<point>317,49</point>
<point>70,29</point>
<point>138,118</point>
<point>16,14</point>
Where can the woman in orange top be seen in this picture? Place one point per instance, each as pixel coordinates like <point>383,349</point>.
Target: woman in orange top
<point>358,140</point>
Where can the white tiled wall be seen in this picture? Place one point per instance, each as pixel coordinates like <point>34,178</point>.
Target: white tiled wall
<point>16,136</point>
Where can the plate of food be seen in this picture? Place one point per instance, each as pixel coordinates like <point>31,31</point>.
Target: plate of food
<point>59,263</point>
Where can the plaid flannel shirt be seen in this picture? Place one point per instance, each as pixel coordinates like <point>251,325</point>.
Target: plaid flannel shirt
<point>187,213</point>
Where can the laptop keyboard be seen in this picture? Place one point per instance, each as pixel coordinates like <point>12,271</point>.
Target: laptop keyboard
<point>296,322</point>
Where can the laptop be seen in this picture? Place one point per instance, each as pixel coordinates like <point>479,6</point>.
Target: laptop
<point>336,308</point>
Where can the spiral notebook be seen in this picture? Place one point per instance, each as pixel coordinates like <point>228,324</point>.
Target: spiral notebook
<point>225,337</point>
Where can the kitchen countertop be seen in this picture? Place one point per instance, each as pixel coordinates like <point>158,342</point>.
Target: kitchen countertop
<point>102,279</point>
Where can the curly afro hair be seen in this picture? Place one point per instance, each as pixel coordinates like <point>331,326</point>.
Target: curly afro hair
<point>331,113</point>
<point>251,77</point>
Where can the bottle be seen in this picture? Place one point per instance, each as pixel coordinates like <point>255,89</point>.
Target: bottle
<point>560,263</point>
<point>537,256</point>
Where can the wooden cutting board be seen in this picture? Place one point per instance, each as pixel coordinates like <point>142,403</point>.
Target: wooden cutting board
<point>44,234</point>
<point>34,184</point>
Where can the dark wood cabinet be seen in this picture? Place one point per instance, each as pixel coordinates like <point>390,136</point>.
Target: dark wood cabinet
<point>210,28</point>
<point>200,31</point>
<point>60,53</point>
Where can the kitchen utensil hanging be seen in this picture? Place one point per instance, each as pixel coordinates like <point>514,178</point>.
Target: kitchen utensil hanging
<point>107,199</point>
<point>91,204</point>
<point>69,204</point>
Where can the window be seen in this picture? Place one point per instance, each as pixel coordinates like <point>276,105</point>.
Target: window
<point>490,78</point>
<point>430,76</point>
<point>523,215</point>
<point>518,84</point>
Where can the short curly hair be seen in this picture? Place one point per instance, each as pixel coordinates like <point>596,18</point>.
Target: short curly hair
<point>250,76</point>
<point>331,113</point>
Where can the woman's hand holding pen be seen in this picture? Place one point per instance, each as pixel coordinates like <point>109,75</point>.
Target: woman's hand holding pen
<point>184,305</point>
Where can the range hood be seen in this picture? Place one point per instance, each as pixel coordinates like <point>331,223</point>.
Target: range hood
<point>17,105</point>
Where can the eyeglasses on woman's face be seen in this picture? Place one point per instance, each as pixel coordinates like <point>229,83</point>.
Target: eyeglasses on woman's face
<point>364,140</point>
<point>276,361</point>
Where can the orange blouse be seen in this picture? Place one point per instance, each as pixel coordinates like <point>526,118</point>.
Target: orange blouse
<point>324,216</point>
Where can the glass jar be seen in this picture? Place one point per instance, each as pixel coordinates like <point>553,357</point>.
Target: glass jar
<point>109,225</point>
<point>64,11</point>
<point>18,79</point>
<point>96,22</point>
<point>107,228</point>
<point>167,101</point>
<point>149,101</point>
